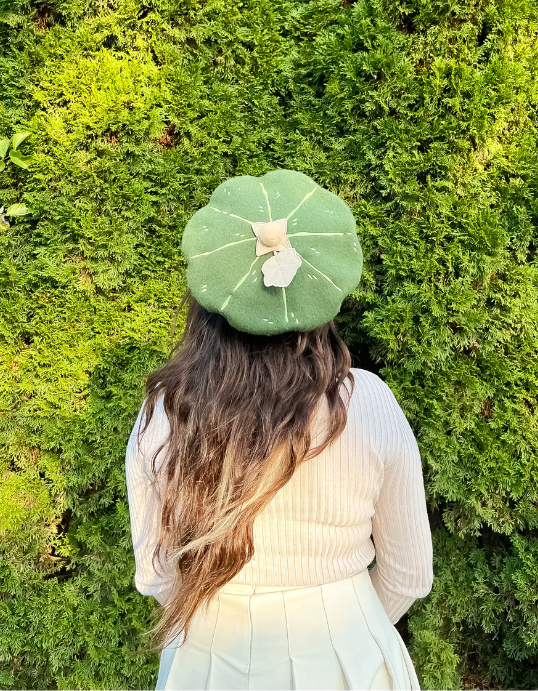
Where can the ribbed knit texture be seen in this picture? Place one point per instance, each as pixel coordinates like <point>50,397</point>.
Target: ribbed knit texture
<point>319,527</point>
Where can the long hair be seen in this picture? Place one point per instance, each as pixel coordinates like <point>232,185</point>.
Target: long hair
<point>240,409</point>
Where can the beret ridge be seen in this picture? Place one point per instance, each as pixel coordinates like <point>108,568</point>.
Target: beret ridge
<point>225,274</point>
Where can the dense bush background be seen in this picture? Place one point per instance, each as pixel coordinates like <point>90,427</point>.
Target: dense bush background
<point>421,114</point>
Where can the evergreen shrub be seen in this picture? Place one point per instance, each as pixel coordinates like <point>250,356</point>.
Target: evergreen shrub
<point>421,114</point>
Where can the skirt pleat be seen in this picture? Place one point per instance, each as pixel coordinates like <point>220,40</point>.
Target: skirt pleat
<point>384,637</point>
<point>230,650</point>
<point>313,662</point>
<point>188,666</point>
<point>330,636</point>
<point>270,656</point>
<point>359,655</point>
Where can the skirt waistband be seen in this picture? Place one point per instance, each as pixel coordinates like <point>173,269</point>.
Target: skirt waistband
<point>251,589</point>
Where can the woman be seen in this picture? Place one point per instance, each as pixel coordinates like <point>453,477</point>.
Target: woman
<point>262,469</point>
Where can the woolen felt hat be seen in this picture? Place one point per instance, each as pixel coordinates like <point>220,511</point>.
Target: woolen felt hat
<point>272,254</point>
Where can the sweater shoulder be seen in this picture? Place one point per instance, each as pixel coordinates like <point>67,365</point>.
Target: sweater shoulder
<point>375,409</point>
<point>367,375</point>
<point>370,385</point>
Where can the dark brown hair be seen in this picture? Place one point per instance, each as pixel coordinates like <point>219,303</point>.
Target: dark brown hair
<point>240,409</point>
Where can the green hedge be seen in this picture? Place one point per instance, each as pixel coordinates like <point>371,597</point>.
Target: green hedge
<point>421,114</point>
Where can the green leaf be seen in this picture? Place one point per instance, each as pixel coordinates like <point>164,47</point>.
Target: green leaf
<point>4,146</point>
<point>19,159</point>
<point>17,210</point>
<point>316,217</point>
<point>19,138</point>
<point>2,166</point>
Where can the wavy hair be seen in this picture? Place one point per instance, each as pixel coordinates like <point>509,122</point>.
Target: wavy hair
<point>241,409</point>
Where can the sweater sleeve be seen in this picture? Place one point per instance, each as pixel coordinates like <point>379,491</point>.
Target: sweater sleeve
<point>400,527</point>
<point>144,504</point>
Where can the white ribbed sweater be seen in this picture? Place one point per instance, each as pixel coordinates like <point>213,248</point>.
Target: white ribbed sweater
<point>319,527</point>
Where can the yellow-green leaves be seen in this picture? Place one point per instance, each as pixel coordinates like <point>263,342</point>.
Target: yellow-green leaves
<point>13,210</point>
<point>18,139</point>
<point>16,210</point>
<point>4,146</point>
<point>14,154</point>
<point>20,160</point>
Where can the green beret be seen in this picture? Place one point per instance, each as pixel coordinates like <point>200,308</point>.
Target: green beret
<point>272,254</point>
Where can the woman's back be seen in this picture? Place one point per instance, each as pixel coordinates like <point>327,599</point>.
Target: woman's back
<point>318,528</point>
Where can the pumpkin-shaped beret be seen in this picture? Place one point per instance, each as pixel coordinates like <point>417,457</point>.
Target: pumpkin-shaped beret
<point>272,254</point>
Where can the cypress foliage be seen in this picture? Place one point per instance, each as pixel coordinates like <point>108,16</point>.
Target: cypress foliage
<point>421,114</point>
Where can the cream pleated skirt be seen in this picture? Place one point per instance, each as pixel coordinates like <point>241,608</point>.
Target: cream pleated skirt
<point>330,636</point>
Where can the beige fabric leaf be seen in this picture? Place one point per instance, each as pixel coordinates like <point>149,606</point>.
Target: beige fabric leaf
<point>281,268</point>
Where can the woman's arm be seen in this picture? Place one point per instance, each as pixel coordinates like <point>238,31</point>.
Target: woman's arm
<point>400,526</point>
<point>144,505</point>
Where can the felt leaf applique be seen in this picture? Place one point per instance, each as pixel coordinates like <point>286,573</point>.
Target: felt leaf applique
<point>281,268</point>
